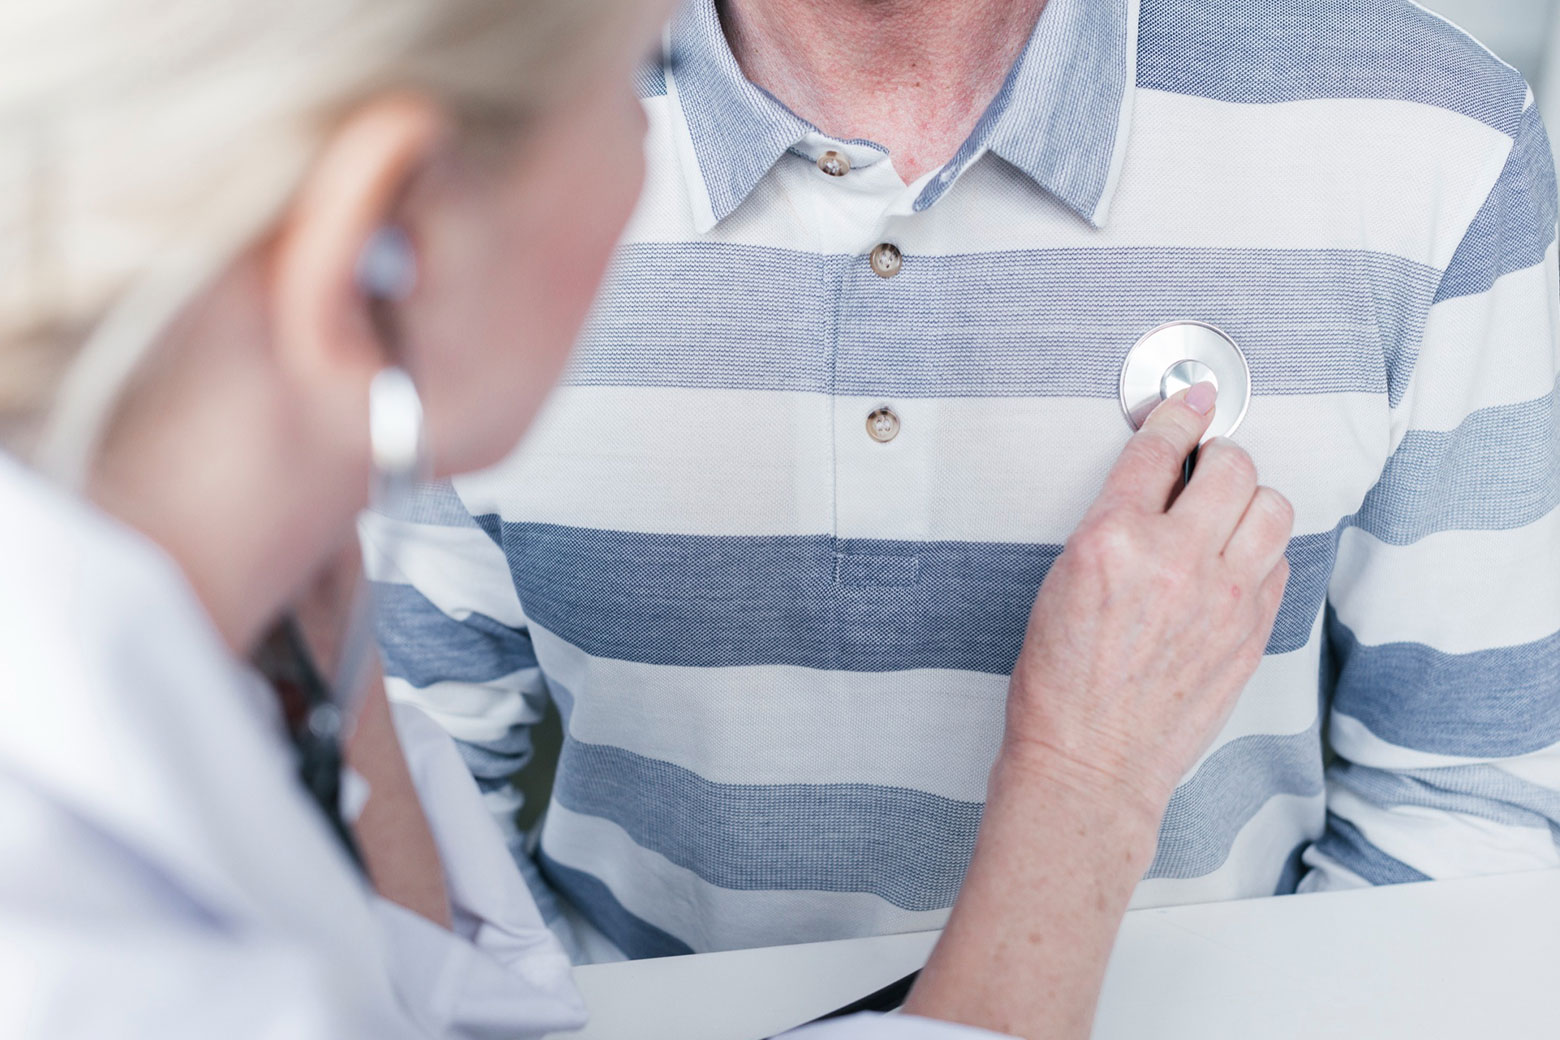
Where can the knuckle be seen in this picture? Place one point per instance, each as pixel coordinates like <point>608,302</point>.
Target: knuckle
<point>1267,525</point>
<point>1231,460</point>
<point>1175,576</point>
<point>1278,510</point>
<point>1087,543</point>
<point>1106,543</point>
<point>1196,571</point>
<point>1173,414</point>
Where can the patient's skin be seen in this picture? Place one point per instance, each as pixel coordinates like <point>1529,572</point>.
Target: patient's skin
<point>912,75</point>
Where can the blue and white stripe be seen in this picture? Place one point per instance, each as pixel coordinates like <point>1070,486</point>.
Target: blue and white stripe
<point>780,648</point>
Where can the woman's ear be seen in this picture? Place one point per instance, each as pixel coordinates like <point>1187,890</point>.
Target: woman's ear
<point>332,237</point>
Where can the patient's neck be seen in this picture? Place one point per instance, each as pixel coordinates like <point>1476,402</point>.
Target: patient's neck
<point>912,75</point>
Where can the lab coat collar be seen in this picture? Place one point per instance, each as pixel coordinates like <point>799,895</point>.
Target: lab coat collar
<point>1061,117</point>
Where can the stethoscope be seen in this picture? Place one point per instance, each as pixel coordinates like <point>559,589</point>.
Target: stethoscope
<point>1178,355</point>
<point>1162,363</point>
<point>321,712</point>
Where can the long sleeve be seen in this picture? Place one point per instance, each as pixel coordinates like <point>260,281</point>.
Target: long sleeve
<point>1444,607</point>
<point>500,972</point>
<point>453,637</point>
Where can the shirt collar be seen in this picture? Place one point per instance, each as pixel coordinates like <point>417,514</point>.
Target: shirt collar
<point>1061,117</point>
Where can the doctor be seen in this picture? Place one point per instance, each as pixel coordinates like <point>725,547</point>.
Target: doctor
<point>226,232</point>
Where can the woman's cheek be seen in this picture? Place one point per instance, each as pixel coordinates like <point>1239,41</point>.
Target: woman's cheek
<point>574,270</point>
<point>549,259</point>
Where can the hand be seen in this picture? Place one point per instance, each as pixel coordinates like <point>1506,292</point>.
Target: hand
<point>1144,632</point>
<point>1153,618</point>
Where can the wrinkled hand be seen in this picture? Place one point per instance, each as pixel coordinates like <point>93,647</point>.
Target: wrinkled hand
<point>1154,616</point>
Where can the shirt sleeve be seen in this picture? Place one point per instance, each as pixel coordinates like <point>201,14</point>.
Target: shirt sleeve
<point>500,972</point>
<point>1443,618</point>
<point>455,644</point>
<point>453,636</point>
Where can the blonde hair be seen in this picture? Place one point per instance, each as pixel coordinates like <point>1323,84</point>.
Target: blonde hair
<point>146,143</point>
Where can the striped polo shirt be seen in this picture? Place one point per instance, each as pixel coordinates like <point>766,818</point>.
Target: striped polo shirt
<point>780,644</point>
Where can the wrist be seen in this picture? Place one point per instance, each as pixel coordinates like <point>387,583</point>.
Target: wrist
<point>1062,846</point>
<point>1034,771</point>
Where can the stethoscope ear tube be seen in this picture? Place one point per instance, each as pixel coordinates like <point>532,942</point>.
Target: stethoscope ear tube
<point>314,721</point>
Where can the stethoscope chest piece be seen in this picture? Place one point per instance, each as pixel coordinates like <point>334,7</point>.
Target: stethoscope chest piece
<point>1178,355</point>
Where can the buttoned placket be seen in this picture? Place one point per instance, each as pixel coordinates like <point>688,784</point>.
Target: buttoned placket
<point>852,206</point>
<point>864,218</point>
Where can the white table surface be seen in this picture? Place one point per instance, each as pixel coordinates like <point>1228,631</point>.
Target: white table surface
<point>1475,959</point>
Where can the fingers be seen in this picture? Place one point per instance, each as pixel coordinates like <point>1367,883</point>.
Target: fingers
<point>1221,489</point>
<point>1270,597</point>
<point>1271,594</point>
<point>1150,464</point>
<point>1262,535</point>
<point>1244,661</point>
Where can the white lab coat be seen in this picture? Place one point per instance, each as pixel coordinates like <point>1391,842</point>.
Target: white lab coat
<point>162,873</point>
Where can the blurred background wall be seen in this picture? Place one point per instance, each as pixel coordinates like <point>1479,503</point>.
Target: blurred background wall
<point>1520,31</point>
<point>1526,33</point>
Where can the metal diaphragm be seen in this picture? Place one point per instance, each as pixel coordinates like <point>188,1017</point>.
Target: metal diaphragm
<point>1178,355</point>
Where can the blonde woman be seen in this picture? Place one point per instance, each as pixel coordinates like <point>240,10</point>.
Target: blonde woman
<point>261,265</point>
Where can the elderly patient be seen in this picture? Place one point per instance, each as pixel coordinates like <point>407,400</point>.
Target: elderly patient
<point>852,385</point>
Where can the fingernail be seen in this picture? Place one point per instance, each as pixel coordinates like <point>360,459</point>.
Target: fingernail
<point>1201,397</point>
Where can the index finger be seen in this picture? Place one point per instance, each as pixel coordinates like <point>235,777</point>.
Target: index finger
<point>1150,465</point>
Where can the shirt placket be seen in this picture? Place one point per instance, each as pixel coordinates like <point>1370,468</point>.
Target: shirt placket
<point>881,436</point>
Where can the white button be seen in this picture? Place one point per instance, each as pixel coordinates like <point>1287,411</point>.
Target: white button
<point>883,425</point>
<point>833,163</point>
<point>886,259</point>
